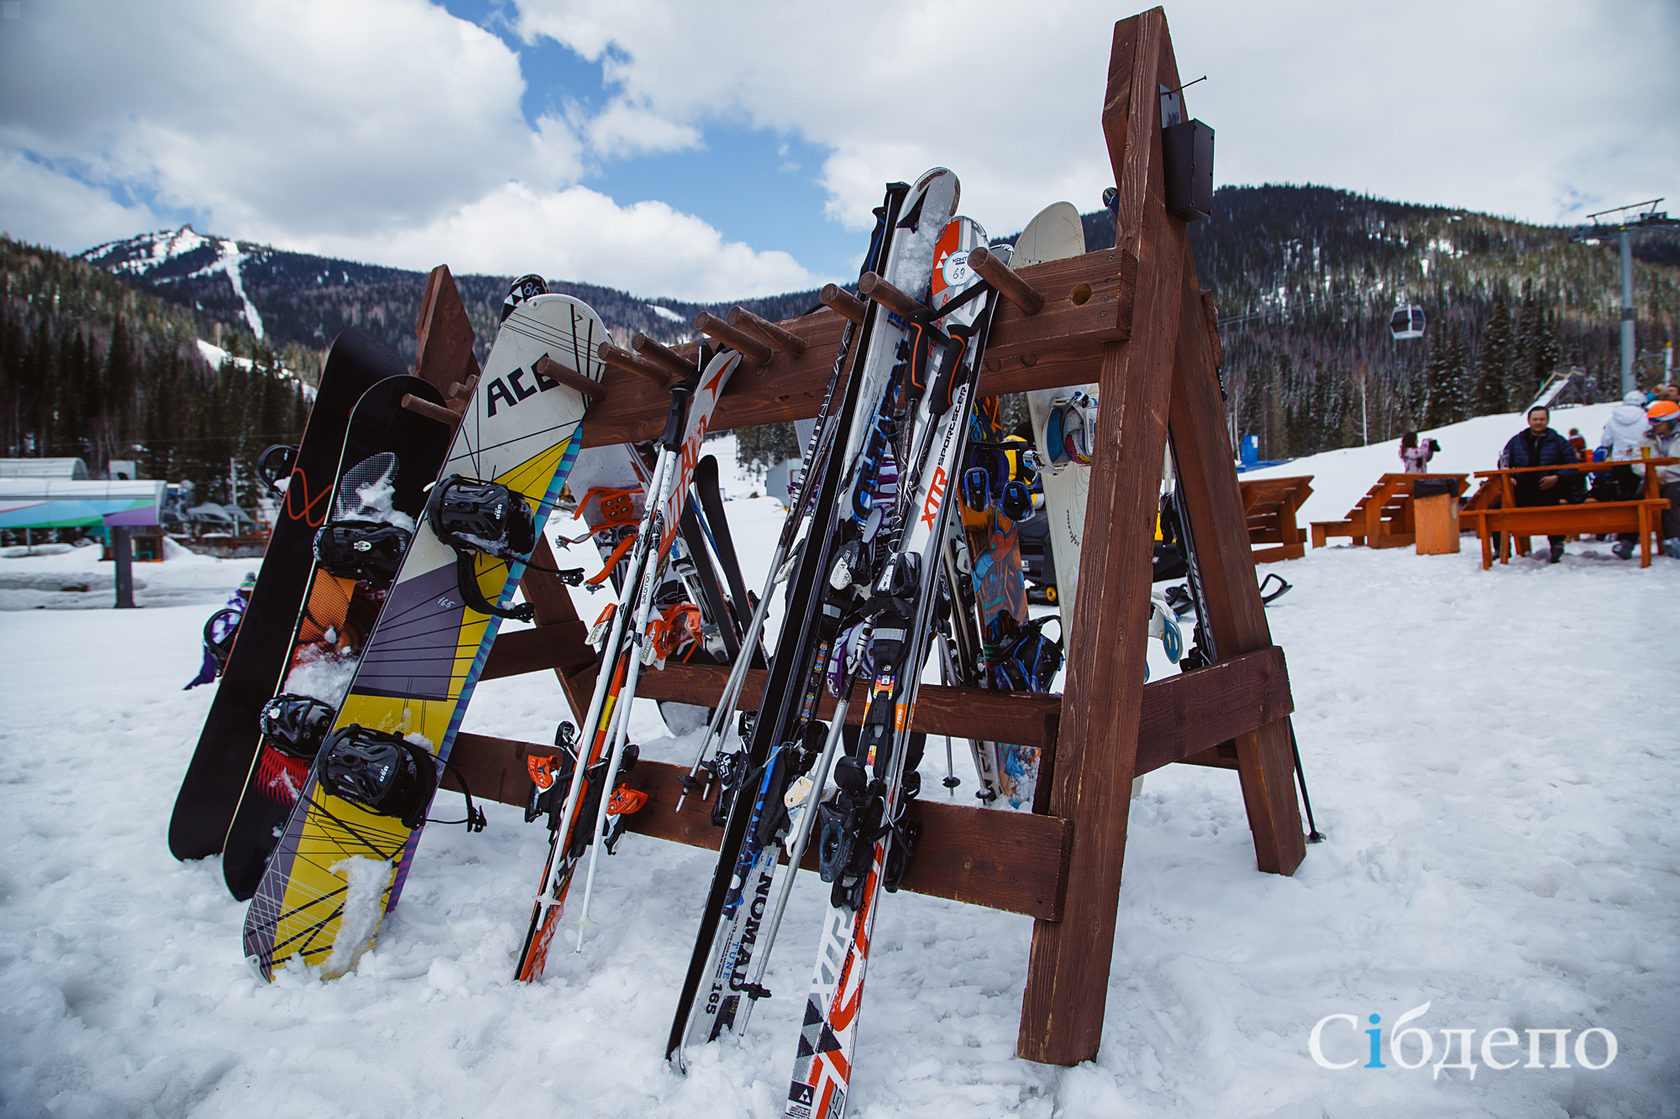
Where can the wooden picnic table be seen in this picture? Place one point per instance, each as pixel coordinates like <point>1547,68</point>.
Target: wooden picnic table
<point>1270,506</point>
<point>1508,520</point>
<point>1384,517</point>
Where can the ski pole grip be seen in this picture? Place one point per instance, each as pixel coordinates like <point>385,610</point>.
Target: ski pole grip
<point>1005,280</point>
<point>872,286</point>
<point>736,339</point>
<point>681,393</point>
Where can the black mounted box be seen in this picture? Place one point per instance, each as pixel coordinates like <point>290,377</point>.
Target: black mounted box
<point>1188,151</point>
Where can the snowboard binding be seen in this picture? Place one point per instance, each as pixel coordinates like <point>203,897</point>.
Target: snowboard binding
<point>384,773</point>
<point>296,725</point>
<point>486,518</point>
<point>362,550</point>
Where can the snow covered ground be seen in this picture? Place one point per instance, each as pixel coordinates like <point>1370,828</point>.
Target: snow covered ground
<point>1493,756</point>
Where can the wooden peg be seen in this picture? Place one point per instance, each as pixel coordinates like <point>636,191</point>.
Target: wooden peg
<point>634,364</point>
<point>1006,280</point>
<point>463,390</point>
<point>842,303</point>
<point>749,347</point>
<point>773,333</point>
<point>587,387</point>
<point>871,286</point>
<point>660,354</point>
<point>438,412</point>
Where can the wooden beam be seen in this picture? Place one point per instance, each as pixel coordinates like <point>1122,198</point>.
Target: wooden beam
<point>1088,301</point>
<point>1212,502</point>
<point>1022,717</point>
<point>1013,861</point>
<point>444,334</point>
<point>1062,1007</point>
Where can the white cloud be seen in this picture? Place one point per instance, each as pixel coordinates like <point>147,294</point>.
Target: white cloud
<point>647,248</point>
<point>623,129</point>
<point>1530,108</point>
<point>34,199</point>
<point>385,130</point>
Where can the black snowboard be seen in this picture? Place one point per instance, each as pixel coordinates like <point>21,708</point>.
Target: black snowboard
<point>216,774</point>
<point>274,779</point>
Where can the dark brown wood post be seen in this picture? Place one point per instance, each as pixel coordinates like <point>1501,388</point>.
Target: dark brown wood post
<point>1067,971</point>
<point>1212,502</point>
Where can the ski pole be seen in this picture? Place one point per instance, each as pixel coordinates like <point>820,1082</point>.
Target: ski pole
<point>1313,834</point>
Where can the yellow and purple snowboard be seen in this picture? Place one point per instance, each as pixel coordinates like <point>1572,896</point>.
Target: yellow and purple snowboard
<point>340,864</point>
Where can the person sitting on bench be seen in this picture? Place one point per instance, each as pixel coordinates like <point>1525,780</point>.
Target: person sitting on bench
<point>1539,445</point>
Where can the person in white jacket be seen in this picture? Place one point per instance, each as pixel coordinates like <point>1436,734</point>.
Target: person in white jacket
<point>1624,433</point>
<point>1625,430</point>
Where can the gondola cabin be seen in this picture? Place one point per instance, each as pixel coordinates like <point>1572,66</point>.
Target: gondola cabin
<point>1407,322</point>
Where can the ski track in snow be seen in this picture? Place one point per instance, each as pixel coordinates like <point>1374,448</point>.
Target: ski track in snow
<point>1501,844</point>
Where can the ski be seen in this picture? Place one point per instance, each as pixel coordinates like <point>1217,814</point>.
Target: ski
<point>590,780</point>
<point>784,740</point>
<point>341,862</point>
<point>866,839</point>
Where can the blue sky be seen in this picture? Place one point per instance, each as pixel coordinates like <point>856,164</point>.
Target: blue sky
<point>734,148</point>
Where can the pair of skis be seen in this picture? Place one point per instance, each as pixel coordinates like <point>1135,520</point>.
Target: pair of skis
<point>861,600</point>
<point>581,792</point>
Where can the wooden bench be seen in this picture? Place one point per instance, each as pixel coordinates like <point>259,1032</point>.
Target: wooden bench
<point>1514,524</point>
<point>1270,506</point>
<point>1384,516</point>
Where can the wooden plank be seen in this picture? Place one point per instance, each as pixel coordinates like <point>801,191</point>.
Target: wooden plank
<point>444,333</point>
<point>1193,712</point>
<point>1062,1006</point>
<point>1236,616</point>
<point>1023,717</point>
<point>562,646</point>
<point>1088,302</point>
<point>1013,861</point>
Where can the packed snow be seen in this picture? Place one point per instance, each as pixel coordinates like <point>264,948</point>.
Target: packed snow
<point>1491,755</point>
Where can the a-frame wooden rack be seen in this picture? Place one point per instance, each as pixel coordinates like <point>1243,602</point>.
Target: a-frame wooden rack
<point>1133,319</point>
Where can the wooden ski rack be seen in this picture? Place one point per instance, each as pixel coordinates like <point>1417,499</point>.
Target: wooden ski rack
<point>1133,319</point>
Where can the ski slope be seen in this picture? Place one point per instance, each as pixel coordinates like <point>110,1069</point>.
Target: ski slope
<point>1491,754</point>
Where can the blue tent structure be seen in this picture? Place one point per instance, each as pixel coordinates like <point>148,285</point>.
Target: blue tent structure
<point>42,501</point>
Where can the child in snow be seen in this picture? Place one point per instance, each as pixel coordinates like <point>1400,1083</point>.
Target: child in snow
<point>220,630</point>
<point>1415,456</point>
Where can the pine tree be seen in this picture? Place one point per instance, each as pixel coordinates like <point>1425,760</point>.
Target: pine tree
<point>1493,368</point>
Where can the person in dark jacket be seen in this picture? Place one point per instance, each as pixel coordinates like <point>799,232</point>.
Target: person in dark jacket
<point>1539,445</point>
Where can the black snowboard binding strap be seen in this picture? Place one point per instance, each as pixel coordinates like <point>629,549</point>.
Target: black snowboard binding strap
<point>363,550</point>
<point>221,648</point>
<point>296,725</point>
<point>383,773</point>
<point>474,517</point>
<point>276,462</point>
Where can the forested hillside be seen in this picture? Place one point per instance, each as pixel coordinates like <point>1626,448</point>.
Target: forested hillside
<point>92,368</point>
<point>1305,279</point>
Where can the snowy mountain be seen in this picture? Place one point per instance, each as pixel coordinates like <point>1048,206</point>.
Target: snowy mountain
<point>178,257</point>
<point>293,297</point>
